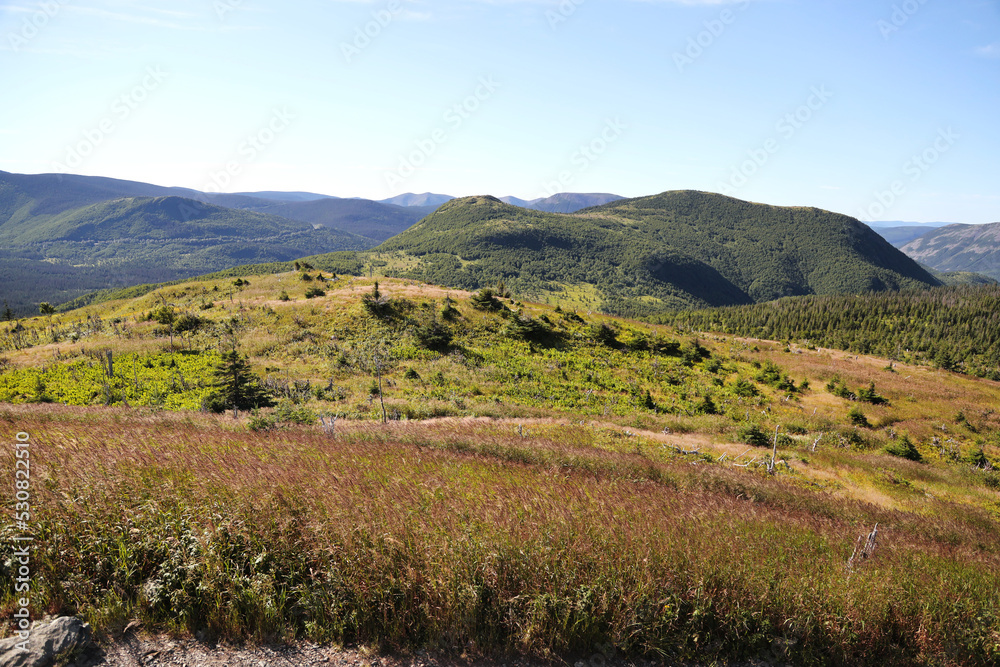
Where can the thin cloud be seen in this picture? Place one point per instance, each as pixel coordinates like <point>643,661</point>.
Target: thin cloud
<point>989,51</point>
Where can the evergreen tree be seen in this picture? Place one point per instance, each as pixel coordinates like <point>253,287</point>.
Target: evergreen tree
<point>239,388</point>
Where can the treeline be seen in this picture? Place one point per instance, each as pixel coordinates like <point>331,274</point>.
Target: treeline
<point>954,328</point>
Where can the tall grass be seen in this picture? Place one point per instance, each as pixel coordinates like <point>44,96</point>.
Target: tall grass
<point>470,536</point>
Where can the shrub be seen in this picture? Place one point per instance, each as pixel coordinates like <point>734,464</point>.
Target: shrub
<point>869,395</point>
<point>259,422</point>
<point>751,434</point>
<point>434,335</point>
<point>290,413</point>
<point>486,300</point>
<point>857,417</point>
<point>186,323</point>
<point>604,335</point>
<point>905,449</point>
<point>376,303</point>
<point>314,292</point>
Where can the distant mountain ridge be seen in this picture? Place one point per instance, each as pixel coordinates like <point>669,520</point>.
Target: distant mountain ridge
<point>62,236</point>
<point>649,254</point>
<point>959,248</point>
<point>563,202</point>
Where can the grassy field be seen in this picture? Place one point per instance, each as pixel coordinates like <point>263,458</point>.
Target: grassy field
<point>545,483</point>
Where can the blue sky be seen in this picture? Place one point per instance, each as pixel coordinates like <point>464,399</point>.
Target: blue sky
<point>884,110</point>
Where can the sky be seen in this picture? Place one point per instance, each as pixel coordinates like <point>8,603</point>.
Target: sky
<point>881,109</point>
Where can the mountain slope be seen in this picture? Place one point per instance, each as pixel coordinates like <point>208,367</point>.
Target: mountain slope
<point>655,253</point>
<point>47,221</point>
<point>900,236</point>
<point>959,248</point>
<point>366,218</point>
<point>57,257</point>
<point>411,199</point>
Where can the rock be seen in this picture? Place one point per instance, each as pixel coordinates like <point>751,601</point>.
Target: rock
<point>47,640</point>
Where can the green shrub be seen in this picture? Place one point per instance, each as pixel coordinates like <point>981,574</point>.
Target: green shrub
<point>752,434</point>
<point>905,449</point>
<point>858,418</point>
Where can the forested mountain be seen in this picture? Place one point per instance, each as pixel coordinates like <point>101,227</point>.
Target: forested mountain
<point>954,328</point>
<point>959,248</point>
<point>52,254</point>
<point>366,218</point>
<point>642,256</point>
<point>63,235</point>
<point>23,195</point>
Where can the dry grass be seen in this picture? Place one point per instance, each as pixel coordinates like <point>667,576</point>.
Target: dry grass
<point>461,533</point>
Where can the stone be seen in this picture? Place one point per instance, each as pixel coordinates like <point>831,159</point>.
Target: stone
<point>47,641</point>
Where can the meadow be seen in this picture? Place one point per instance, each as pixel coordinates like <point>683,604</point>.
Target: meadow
<point>540,481</point>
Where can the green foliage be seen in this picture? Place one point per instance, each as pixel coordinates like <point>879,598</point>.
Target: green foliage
<point>752,434</point>
<point>283,296</point>
<point>288,412</point>
<point>237,385</point>
<point>376,303</point>
<point>904,448</point>
<point>652,254</point>
<point>771,374</point>
<point>188,323</point>
<point>314,292</point>
<point>869,395</point>
<point>486,300</point>
<point>744,387</point>
<point>604,334</point>
<point>858,418</point>
<point>953,328</point>
<point>45,308</point>
<point>434,335</point>
<point>165,315</point>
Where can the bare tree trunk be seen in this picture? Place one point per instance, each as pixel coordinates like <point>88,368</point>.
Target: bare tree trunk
<point>381,400</point>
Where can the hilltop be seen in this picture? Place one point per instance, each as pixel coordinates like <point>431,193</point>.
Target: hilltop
<point>641,256</point>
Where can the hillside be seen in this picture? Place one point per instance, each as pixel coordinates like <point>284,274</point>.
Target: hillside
<point>641,256</point>
<point>499,478</point>
<point>973,248</point>
<point>56,254</point>
<point>903,234</point>
<point>372,220</point>
<point>48,220</point>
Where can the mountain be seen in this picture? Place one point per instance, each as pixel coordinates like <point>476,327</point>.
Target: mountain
<point>51,253</point>
<point>642,256</point>
<point>410,199</point>
<point>959,248</point>
<point>285,196</point>
<point>900,236</point>
<point>57,193</point>
<point>62,235</point>
<point>563,202</point>
<point>373,220</point>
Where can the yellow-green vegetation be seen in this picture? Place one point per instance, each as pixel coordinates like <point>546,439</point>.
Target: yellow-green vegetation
<point>491,475</point>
